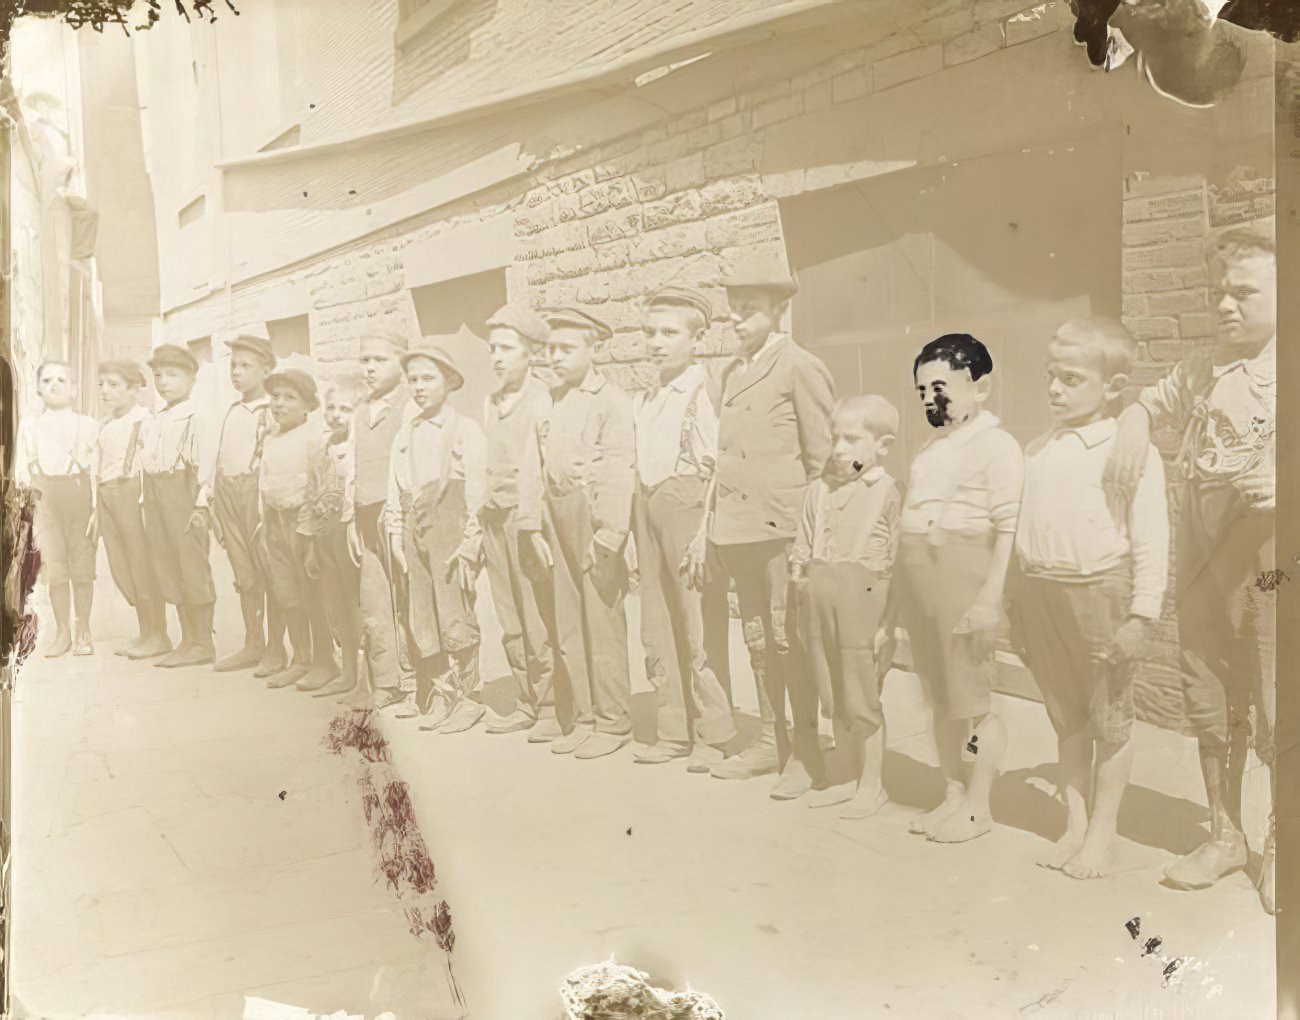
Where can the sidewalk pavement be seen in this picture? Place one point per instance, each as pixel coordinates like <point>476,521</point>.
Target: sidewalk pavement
<point>779,911</point>
<point>183,839</point>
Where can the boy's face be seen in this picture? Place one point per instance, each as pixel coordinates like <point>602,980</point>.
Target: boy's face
<point>428,384</point>
<point>570,355</point>
<point>1078,391</point>
<point>115,393</point>
<point>172,383</point>
<point>854,448</point>
<point>1244,293</point>
<point>380,366</point>
<point>247,370</point>
<point>670,338</point>
<point>55,386</point>
<point>755,313</point>
<point>288,407</point>
<point>339,407</point>
<point>510,356</point>
<point>950,395</point>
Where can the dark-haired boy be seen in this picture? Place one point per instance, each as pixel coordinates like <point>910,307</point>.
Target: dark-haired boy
<point>118,510</point>
<point>1224,401</point>
<point>56,457</point>
<point>958,530</point>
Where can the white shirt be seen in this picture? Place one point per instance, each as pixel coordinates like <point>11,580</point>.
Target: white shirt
<point>1066,529</point>
<point>58,442</point>
<point>967,480</point>
<point>175,438</point>
<point>287,458</point>
<point>240,431</point>
<point>665,445</point>
<point>420,454</point>
<point>115,445</point>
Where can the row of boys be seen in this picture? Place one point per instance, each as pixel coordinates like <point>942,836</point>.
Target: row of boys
<point>754,481</point>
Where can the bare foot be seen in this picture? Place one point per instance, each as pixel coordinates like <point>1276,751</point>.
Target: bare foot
<point>865,803</point>
<point>962,825</point>
<point>1061,851</point>
<point>832,795</point>
<point>924,825</point>
<point>1092,860</point>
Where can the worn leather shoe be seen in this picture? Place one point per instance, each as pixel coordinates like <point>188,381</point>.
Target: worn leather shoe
<point>661,753</point>
<point>286,679</point>
<point>515,722</point>
<point>439,712</point>
<point>793,782</point>
<point>751,762</point>
<point>465,716</point>
<point>597,745</point>
<point>703,758</point>
<point>1209,862</point>
<point>544,731</point>
<point>246,658</point>
<point>571,741</point>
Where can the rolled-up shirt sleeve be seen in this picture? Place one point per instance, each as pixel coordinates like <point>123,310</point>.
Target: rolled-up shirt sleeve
<point>1168,401</point>
<point>1149,539</point>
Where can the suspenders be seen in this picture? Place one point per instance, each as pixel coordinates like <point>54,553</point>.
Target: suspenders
<point>686,451</point>
<point>129,459</point>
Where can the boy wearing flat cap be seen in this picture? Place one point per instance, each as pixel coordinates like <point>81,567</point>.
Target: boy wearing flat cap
<point>378,417</point>
<point>435,488</point>
<point>287,456</point>
<point>588,472</point>
<point>56,457</point>
<point>232,492</point>
<point>676,451</point>
<point>118,512</point>
<point>523,597</point>
<point>175,452</point>
<point>773,438</point>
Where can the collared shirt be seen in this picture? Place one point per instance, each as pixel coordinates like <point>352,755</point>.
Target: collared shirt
<point>1066,529</point>
<point>119,445</point>
<point>586,442</point>
<point>329,487</point>
<point>510,427</point>
<point>243,430</point>
<point>852,522</point>
<point>676,429</point>
<point>772,342</point>
<point>1227,413</point>
<point>376,423</point>
<point>58,442</point>
<point>967,481</point>
<point>428,449</point>
<point>286,465</point>
<point>176,438</point>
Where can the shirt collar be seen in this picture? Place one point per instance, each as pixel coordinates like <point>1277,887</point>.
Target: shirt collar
<point>1262,368</point>
<point>684,380</point>
<point>965,432</point>
<point>253,405</point>
<point>868,478</point>
<point>439,419</point>
<point>181,409</point>
<point>773,340</point>
<point>1091,435</point>
<point>594,383</point>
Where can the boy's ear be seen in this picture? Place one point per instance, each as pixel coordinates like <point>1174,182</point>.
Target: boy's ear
<point>983,387</point>
<point>1116,385</point>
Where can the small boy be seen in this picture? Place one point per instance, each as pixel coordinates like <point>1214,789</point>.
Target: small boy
<point>234,504</point>
<point>56,457</point>
<point>1088,583</point>
<point>174,454</point>
<point>1224,402</point>
<point>333,553</point>
<point>435,489</point>
<point>119,515</point>
<point>957,532</point>
<point>676,452</point>
<point>523,597</point>
<point>588,473</point>
<point>287,456</point>
<point>840,562</point>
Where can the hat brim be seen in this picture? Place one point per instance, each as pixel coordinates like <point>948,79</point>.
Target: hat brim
<point>454,379</point>
<point>279,381</point>
<point>266,355</point>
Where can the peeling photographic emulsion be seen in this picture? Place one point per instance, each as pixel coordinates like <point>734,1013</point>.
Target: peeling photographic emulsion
<point>658,509</point>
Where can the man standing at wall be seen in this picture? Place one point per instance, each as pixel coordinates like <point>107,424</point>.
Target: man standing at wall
<point>773,439</point>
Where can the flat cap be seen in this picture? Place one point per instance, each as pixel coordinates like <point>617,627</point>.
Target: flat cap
<point>441,357</point>
<point>762,273</point>
<point>681,297</point>
<point>393,338</point>
<point>257,344</point>
<point>295,379</point>
<point>576,318</point>
<point>524,321</point>
<point>130,371</point>
<point>174,356</point>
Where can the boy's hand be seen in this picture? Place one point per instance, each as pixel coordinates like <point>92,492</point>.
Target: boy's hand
<point>198,519</point>
<point>463,570</point>
<point>542,550</point>
<point>396,550</point>
<point>1128,458</point>
<point>354,544</point>
<point>692,564</point>
<point>883,648</point>
<point>1259,493</point>
<point>1127,644</point>
<point>980,625</point>
<point>797,574</point>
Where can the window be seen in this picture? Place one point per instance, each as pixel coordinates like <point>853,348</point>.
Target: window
<point>414,17</point>
<point>453,313</point>
<point>289,336</point>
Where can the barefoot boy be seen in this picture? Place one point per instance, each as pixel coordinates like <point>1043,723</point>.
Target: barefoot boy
<point>56,457</point>
<point>117,498</point>
<point>957,533</point>
<point>676,452</point>
<point>1088,584</point>
<point>588,471</point>
<point>174,453</point>
<point>287,456</point>
<point>840,562</point>
<point>1224,402</point>
<point>435,488</point>
<point>332,560</point>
